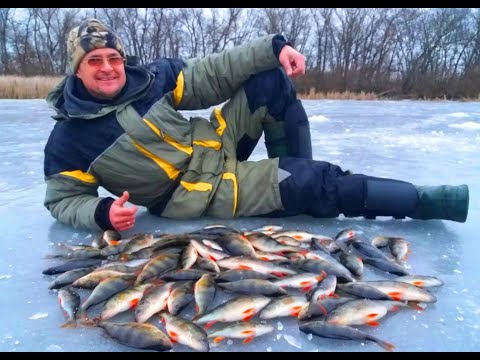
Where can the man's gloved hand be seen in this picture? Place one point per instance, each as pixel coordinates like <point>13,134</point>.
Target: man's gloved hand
<point>292,61</point>
<point>122,218</point>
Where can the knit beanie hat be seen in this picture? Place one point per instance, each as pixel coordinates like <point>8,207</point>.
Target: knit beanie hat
<point>90,35</point>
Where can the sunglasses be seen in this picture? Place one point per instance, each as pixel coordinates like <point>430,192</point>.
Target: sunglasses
<point>98,62</point>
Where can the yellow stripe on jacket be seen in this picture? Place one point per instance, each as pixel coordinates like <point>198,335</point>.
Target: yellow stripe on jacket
<point>186,149</point>
<point>199,186</point>
<point>80,175</point>
<point>169,169</point>
<point>178,91</point>
<point>222,124</point>
<point>231,176</point>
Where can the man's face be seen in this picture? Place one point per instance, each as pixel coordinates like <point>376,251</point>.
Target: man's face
<point>102,71</point>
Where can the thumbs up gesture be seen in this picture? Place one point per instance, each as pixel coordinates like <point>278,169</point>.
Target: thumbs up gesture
<point>122,218</point>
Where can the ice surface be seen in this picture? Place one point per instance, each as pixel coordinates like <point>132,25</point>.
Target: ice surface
<point>469,125</point>
<point>318,118</point>
<point>54,348</point>
<point>292,340</point>
<point>38,316</point>
<point>406,140</point>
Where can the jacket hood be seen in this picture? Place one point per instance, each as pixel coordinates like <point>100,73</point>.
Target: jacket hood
<point>71,99</point>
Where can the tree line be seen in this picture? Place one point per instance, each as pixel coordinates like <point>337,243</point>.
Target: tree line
<point>398,52</point>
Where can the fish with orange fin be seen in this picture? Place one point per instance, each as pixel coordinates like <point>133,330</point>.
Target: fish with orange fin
<point>254,287</point>
<point>92,279</point>
<point>399,248</point>
<point>362,291</point>
<point>139,242</point>
<point>212,244</point>
<point>326,288</point>
<point>71,265</point>
<point>238,308</point>
<point>353,263</point>
<point>401,291</point>
<point>204,292</point>
<point>320,255</point>
<point>317,266</point>
<point>283,306</point>
<point>239,274</point>
<point>314,309</point>
<point>266,256</point>
<point>386,265</point>
<point>180,297</point>
<point>269,229</point>
<point>246,263</point>
<point>189,256</point>
<point>83,252</point>
<point>381,241</point>
<point>421,281</point>
<point>236,244</point>
<point>344,238</point>
<point>69,301</point>
<point>268,244</point>
<point>367,250</point>
<point>126,300</point>
<point>108,238</point>
<point>325,244</point>
<point>207,251</point>
<point>244,330</point>
<point>298,235</point>
<point>154,301</point>
<point>69,277</point>
<point>159,265</point>
<point>343,332</point>
<point>207,264</point>
<point>183,275</point>
<point>363,312</point>
<point>288,241</point>
<point>137,335</point>
<point>185,332</point>
<point>304,281</point>
<point>105,290</point>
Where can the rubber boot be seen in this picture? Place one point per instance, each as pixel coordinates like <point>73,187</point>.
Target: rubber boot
<point>442,202</point>
<point>370,197</point>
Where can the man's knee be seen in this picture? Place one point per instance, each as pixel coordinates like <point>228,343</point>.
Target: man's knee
<point>309,186</point>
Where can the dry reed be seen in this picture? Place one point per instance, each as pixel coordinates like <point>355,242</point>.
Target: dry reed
<point>38,87</point>
<point>18,87</point>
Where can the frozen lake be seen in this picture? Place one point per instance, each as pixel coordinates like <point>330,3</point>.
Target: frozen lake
<point>426,143</point>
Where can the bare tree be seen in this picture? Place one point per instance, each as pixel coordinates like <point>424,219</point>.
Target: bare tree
<point>242,26</point>
<point>409,52</point>
<point>5,15</point>
<point>194,23</point>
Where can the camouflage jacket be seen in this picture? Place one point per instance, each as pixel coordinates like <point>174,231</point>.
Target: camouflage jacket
<point>140,142</point>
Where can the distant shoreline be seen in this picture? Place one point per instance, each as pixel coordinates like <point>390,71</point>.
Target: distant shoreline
<point>38,87</point>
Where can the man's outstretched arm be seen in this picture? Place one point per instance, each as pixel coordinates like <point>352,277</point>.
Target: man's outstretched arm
<point>215,78</point>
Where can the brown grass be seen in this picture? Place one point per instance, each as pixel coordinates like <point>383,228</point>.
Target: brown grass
<point>347,95</point>
<point>38,87</point>
<point>35,87</point>
<point>332,95</point>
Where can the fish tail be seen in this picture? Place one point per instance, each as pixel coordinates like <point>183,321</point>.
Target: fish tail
<point>69,324</point>
<point>415,305</point>
<point>386,345</point>
<point>91,322</point>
